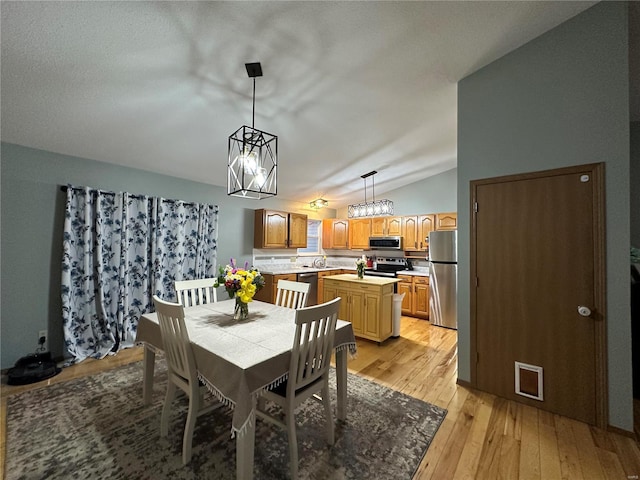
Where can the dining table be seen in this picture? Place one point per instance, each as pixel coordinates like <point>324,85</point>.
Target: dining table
<point>238,359</point>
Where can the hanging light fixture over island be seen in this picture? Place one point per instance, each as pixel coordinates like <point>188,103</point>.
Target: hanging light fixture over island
<point>374,208</point>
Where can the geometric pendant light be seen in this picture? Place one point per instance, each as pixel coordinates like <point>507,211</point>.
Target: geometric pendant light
<point>252,169</point>
<point>373,208</point>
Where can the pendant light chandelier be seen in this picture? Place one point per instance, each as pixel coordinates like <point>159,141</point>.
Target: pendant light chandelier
<point>374,208</point>
<point>252,170</point>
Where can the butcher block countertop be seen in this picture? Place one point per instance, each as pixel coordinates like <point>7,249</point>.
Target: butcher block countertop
<point>349,277</point>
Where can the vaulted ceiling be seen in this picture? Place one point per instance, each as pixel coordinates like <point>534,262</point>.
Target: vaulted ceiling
<point>348,87</point>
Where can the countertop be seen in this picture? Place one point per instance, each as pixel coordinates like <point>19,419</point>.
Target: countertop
<point>415,273</point>
<point>350,277</point>
<point>276,270</point>
<point>285,270</point>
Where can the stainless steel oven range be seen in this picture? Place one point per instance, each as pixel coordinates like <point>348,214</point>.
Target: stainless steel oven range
<point>387,267</point>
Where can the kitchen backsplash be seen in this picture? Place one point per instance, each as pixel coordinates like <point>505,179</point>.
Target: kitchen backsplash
<point>264,260</point>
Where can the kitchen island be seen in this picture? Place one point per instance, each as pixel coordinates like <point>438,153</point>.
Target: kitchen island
<point>367,303</point>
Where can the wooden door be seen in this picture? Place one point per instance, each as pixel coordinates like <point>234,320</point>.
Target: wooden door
<point>426,224</point>
<point>410,232</point>
<point>386,226</point>
<point>359,233</point>
<point>335,234</point>
<point>372,314</point>
<point>406,286</point>
<point>378,226</point>
<point>297,230</point>
<point>446,221</point>
<point>537,256</point>
<point>394,226</point>
<point>421,297</point>
<point>340,232</point>
<point>276,227</point>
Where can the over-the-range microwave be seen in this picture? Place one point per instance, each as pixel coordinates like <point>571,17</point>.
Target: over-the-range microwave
<point>385,243</point>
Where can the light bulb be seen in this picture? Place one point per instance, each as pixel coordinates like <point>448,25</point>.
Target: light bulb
<point>260,176</point>
<point>248,160</point>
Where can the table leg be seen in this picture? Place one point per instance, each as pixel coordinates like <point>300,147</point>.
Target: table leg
<point>148,364</point>
<point>341,382</point>
<point>245,444</point>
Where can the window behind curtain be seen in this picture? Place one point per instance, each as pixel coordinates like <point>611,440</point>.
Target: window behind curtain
<point>314,239</point>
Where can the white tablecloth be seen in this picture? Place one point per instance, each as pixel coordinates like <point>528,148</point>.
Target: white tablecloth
<point>236,359</point>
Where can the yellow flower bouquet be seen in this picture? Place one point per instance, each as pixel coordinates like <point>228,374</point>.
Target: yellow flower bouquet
<point>241,283</point>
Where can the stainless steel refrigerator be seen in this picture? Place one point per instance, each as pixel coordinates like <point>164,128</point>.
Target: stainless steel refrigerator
<point>443,278</point>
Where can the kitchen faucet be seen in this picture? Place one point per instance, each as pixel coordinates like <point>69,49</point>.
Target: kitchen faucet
<point>320,262</point>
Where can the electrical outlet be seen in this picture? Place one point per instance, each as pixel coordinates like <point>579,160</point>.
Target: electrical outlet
<point>42,334</point>
<point>293,259</point>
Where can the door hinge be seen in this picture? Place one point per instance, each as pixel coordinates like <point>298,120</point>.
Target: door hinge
<point>475,207</point>
<point>477,281</point>
<point>477,357</point>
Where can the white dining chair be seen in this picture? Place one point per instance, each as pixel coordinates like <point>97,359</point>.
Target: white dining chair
<point>308,372</point>
<point>195,292</point>
<point>182,373</point>
<point>292,294</point>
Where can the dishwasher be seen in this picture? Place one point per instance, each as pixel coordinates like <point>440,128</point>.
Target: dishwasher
<point>312,279</point>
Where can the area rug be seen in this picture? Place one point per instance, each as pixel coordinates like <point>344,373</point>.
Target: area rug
<point>98,428</point>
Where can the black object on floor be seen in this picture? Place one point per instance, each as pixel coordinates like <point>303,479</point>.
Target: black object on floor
<point>32,368</point>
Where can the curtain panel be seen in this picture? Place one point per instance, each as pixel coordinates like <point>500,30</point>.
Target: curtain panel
<point>121,249</point>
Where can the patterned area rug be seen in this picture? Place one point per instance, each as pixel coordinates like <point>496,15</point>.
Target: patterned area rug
<point>97,428</point>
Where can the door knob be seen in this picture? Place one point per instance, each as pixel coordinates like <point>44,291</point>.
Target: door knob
<point>584,311</point>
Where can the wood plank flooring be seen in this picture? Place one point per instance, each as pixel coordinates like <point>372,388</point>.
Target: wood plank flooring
<point>482,436</point>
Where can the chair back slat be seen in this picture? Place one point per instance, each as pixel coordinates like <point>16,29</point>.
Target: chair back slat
<point>313,343</point>
<point>292,294</point>
<point>195,292</point>
<point>175,339</point>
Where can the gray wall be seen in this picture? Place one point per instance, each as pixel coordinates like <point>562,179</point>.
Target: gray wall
<point>32,211</point>
<point>560,100</point>
<point>431,195</point>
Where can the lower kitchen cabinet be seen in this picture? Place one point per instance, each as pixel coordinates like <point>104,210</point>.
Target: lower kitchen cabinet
<point>366,303</point>
<point>416,299</point>
<point>321,276</point>
<point>269,291</point>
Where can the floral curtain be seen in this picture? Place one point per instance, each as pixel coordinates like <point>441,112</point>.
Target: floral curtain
<point>121,249</point>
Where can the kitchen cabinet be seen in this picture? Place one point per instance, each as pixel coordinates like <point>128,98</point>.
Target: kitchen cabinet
<point>446,221</point>
<point>269,291</point>
<point>367,303</point>
<point>359,233</point>
<point>321,276</point>
<point>406,286</point>
<point>416,299</point>
<point>274,229</point>
<point>415,231</point>
<point>386,226</point>
<point>335,234</point>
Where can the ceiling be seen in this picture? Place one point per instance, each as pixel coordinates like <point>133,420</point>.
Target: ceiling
<point>348,87</point>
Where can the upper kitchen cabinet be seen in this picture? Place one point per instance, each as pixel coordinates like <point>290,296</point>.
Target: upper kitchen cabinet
<point>415,230</point>
<point>446,221</point>
<point>275,229</point>
<point>359,233</point>
<point>335,233</point>
<point>386,226</point>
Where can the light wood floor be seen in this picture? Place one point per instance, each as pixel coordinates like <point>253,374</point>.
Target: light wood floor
<point>482,436</point>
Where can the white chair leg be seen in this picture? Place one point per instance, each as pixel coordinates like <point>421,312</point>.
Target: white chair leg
<point>192,415</point>
<point>293,443</point>
<point>326,401</point>
<point>166,409</point>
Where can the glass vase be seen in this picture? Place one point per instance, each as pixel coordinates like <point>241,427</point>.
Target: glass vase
<point>241,311</point>
<point>360,273</point>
